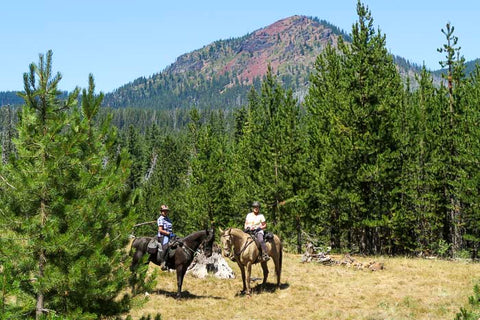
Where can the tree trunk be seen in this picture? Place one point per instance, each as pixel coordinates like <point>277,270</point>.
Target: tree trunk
<point>40,297</point>
<point>41,263</point>
<point>299,235</point>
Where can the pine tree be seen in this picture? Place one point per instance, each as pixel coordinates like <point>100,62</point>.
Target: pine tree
<point>67,203</point>
<point>469,178</point>
<point>452,134</point>
<point>210,190</point>
<point>415,223</point>
<point>359,147</point>
<point>273,156</point>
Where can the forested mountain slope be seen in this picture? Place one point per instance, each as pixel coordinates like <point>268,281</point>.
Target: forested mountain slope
<point>221,73</point>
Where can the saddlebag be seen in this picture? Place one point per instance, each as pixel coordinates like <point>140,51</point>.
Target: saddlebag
<point>152,246</point>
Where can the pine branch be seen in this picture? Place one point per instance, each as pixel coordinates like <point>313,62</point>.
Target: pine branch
<point>8,184</point>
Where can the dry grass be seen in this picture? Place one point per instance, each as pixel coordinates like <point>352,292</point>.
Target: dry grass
<point>405,289</point>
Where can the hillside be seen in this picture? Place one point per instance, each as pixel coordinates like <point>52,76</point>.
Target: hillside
<point>221,73</point>
<point>469,68</point>
<point>10,98</point>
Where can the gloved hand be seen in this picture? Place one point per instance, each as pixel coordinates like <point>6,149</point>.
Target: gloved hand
<point>172,235</point>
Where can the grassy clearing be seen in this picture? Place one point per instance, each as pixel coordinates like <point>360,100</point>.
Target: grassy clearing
<point>405,289</point>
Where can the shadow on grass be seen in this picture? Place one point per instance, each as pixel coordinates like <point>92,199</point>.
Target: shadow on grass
<point>185,295</point>
<point>268,287</point>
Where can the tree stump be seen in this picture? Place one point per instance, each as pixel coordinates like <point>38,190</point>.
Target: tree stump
<point>215,265</point>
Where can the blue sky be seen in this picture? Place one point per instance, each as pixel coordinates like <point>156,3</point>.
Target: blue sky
<point>120,40</point>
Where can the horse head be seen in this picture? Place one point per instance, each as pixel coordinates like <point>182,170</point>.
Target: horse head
<point>227,243</point>
<point>208,242</point>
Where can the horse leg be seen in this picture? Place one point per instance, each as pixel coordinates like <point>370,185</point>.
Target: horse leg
<point>181,270</point>
<point>278,266</point>
<point>242,271</point>
<point>247,280</point>
<point>137,257</point>
<point>265,272</point>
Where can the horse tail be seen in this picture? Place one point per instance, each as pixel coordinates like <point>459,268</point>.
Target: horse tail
<point>140,246</point>
<point>280,261</point>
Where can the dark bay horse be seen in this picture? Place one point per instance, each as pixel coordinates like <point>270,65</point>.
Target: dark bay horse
<point>181,257</point>
<point>241,248</point>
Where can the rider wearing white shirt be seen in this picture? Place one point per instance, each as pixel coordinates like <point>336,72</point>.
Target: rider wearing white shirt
<point>255,221</point>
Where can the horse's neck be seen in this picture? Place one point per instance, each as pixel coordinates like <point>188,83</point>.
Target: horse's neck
<point>193,241</point>
<point>239,237</point>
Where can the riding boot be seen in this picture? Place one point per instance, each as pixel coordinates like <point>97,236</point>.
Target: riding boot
<point>162,258</point>
<point>159,254</point>
<point>265,256</point>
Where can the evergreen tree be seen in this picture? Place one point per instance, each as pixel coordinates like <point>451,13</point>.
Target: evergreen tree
<point>7,114</point>
<point>66,204</point>
<point>452,133</point>
<point>135,144</point>
<point>273,153</point>
<point>210,189</point>
<point>468,143</point>
<point>360,139</point>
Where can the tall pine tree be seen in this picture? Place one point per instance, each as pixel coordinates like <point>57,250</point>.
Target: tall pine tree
<point>358,145</point>
<point>67,205</point>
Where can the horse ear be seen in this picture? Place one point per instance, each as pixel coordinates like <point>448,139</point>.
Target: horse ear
<point>220,229</point>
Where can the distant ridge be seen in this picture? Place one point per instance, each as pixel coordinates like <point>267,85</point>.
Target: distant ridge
<point>283,44</point>
<point>10,98</point>
<point>221,73</point>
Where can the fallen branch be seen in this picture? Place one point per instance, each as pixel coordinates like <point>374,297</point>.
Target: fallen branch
<point>324,258</point>
<point>144,223</point>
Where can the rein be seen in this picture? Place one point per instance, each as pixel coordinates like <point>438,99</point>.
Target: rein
<point>189,251</point>
<point>245,246</point>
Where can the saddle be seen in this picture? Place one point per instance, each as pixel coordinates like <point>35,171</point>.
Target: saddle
<point>154,245</point>
<point>172,246</point>
<point>267,236</point>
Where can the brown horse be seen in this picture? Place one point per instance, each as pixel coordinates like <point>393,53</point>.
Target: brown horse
<point>245,253</point>
<point>181,257</point>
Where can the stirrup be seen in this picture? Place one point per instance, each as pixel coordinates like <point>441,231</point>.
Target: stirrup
<point>163,266</point>
<point>265,257</point>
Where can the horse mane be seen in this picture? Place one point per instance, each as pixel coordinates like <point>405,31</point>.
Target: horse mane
<point>238,232</point>
<point>197,234</point>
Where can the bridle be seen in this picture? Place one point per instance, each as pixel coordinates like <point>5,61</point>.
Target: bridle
<point>227,248</point>
<point>189,251</point>
<point>227,244</point>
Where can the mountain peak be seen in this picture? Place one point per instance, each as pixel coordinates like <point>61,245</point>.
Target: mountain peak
<point>285,43</point>
<point>283,24</point>
<point>290,46</point>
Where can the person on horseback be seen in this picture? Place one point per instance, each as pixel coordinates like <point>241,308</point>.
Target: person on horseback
<point>255,222</point>
<point>165,233</point>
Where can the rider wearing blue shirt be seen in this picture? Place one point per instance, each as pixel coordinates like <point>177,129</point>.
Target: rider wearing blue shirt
<point>165,226</point>
<point>165,233</point>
